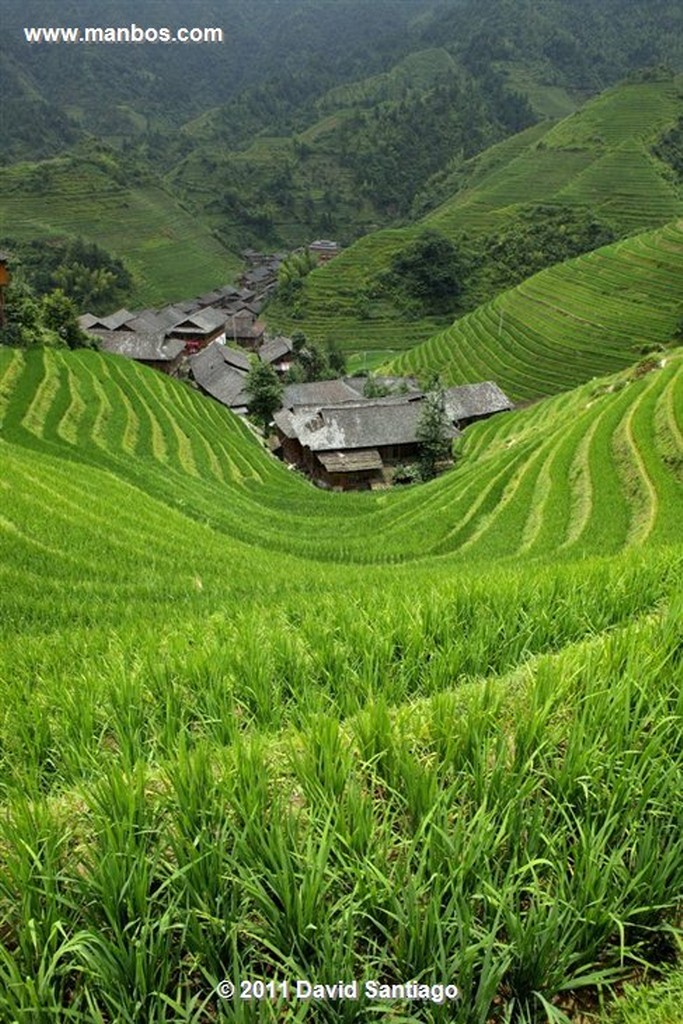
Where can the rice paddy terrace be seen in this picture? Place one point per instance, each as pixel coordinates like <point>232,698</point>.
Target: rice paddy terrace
<point>254,730</point>
<point>168,251</point>
<point>582,318</point>
<point>600,158</point>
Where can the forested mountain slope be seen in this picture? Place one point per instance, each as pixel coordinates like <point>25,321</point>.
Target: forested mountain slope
<point>601,162</point>
<point>354,106</point>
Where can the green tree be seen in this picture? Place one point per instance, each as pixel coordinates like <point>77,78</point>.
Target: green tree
<point>336,360</point>
<point>59,314</point>
<point>298,341</point>
<point>265,393</point>
<point>313,362</point>
<point>432,432</point>
<point>428,271</point>
<point>24,326</point>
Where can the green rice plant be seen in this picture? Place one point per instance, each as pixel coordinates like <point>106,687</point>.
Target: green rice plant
<point>250,729</point>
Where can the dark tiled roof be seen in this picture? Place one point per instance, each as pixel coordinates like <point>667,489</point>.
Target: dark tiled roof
<point>88,320</point>
<point>168,316</point>
<point>148,322</point>
<point>218,378</point>
<point>276,348</point>
<point>188,306</point>
<point>145,348</point>
<point>372,423</point>
<point>205,321</point>
<point>228,291</point>
<point>244,326</point>
<point>237,359</point>
<point>394,384</point>
<point>116,320</point>
<point>209,297</point>
<point>259,276</point>
<point>320,392</point>
<point>472,400</point>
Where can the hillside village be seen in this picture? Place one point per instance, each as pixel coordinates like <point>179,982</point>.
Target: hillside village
<point>268,713</point>
<point>334,431</point>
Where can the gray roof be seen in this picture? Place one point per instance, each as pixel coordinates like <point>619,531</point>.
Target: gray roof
<point>228,291</point>
<point>243,325</point>
<point>204,321</point>
<point>218,378</point>
<point>394,384</point>
<point>473,400</point>
<point>236,358</point>
<point>320,392</point>
<point>116,320</point>
<point>361,424</point>
<point>259,275</point>
<point>276,348</point>
<point>167,316</point>
<point>88,320</point>
<point>188,305</point>
<point>209,297</point>
<point>148,322</point>
<point>146,348</point>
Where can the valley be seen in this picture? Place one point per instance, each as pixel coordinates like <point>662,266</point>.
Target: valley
<point>347,751</point>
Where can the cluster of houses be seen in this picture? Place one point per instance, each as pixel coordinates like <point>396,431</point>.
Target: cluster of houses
<point>163,337</point>
<point>331,430</point>
<point>261,275</point>
<point>195,335</point>
<point>208,338</point>
<point>345,441</point>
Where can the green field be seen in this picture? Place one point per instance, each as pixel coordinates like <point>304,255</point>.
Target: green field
<point>583,318</point>
<point>598,158</point>
<point>170,252</point>
<point>252,729</point>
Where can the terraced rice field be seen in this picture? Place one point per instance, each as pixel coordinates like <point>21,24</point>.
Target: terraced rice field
<point>583,318</point>
<point>599,157</point>
<point>169,251</point>
<point>252,730</point>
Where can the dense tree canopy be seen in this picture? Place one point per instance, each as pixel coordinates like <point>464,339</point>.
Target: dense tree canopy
<point>429,272</point>
<point>265,393</point>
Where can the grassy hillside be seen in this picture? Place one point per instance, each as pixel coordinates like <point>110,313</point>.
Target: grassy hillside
<point>253,729</point>
<point>579,319</point>
<point>599,159</point>
<point>169,252</point>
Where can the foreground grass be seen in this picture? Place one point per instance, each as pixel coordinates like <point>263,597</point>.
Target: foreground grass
<point>518,838</point>
<point>250,731</point>
<point>660,1003</point>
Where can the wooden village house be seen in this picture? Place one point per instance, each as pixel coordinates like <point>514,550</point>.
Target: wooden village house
<point>150,349</point>
<point>324,249</point>
<point>352,443</point>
